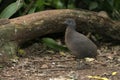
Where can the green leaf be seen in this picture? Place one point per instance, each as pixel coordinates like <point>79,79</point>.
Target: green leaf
<point>111,2</point>
<point>40,4</point>
<point>0,1</point>
<point>71,6</point>
<point>11,9</point>
<point>32,10</point>
<point>53,44</point>
<point>58,4</point>
<point>93,5</point>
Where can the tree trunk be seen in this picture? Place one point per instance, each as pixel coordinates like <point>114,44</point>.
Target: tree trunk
<point>16,31</point>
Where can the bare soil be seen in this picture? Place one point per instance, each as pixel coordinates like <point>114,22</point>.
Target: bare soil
<point>41,63</point>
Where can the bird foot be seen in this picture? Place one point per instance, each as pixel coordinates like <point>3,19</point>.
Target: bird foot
<point>81,66</point>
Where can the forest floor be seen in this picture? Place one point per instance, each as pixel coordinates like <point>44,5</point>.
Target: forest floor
<point>41,63</point>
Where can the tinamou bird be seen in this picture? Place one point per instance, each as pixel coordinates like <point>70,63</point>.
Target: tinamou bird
<point>77,43</point>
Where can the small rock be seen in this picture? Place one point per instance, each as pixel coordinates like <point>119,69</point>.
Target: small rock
<point>44,66</point>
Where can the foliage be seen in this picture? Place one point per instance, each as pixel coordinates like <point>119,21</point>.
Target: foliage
<point>11,9</point>
<point>51,43</point>
<point>22,7</point>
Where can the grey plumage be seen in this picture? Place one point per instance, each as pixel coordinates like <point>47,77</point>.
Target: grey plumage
<point>77,43</point>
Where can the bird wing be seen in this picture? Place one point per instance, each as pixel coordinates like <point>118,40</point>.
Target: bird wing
<point>81,41</point>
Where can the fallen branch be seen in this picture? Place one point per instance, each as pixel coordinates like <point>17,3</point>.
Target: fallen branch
<point>16,31</point>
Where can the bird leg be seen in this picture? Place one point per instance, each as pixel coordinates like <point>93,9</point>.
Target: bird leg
<point>80,64</point>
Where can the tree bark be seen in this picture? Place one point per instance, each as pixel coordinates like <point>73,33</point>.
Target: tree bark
<point>16,31</point>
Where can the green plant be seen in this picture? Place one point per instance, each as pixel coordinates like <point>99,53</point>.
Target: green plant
<point>11,9</point>
<point>51,43</point>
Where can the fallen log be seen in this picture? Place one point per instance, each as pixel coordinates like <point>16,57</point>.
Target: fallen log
<point>16,31</point>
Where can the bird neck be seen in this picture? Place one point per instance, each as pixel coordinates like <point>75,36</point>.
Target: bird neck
<point>72,27</point>
<point>70,30</point>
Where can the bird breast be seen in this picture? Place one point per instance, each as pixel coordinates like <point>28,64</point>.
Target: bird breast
<point>79,44</point>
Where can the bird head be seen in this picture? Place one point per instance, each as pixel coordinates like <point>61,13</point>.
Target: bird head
<point>70,22</point>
